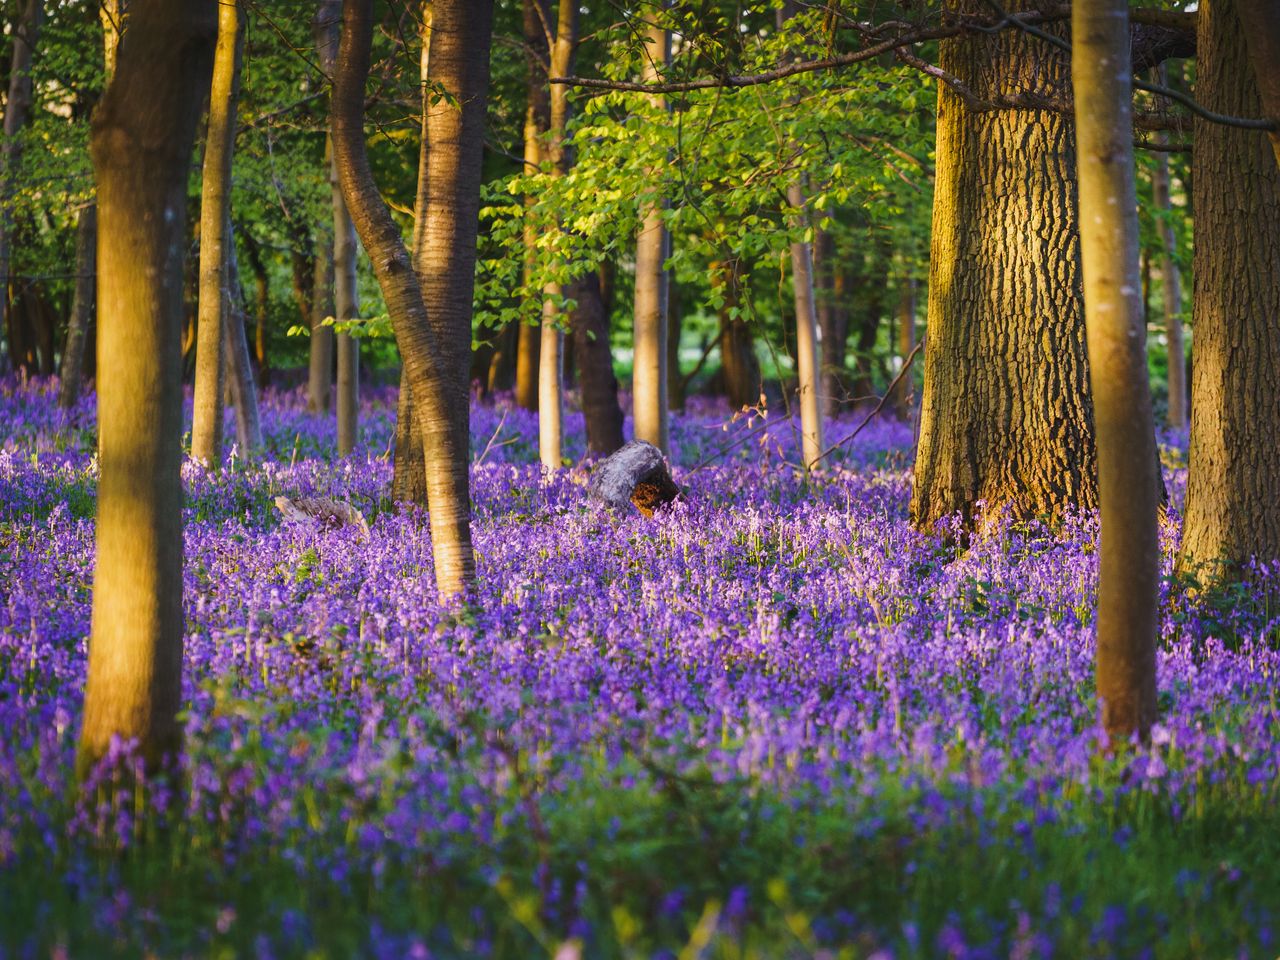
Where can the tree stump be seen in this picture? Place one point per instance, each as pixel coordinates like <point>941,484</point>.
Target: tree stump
<point>637,474</point>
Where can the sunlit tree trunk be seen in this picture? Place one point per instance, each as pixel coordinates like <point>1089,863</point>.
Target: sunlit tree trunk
<point>81,306</point>
<point>537,118</point>
<point>1232,511</point>
<point>17,108</point>
<point>143,134</point>
<point>243,390</point>
<point>1006,418</point>
<point>432,321</point>
<point>215,201</point>
<point>649,398</point>
<point>1128,481</point>
<point>1171,284</point>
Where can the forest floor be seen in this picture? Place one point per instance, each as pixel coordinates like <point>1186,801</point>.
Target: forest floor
<point>772,722</point>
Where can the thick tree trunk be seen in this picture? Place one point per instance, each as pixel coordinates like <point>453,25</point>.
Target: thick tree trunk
<point>81,306</point>
<point>409,468</point>
<point>17,108</point>
<point>1171,285</point>
<point>1006,419</point>
<point>215,203</point>
<point>600,408</point>
<point>345,296</point>
<point>1260,22</point>
<point>1128,469</point>
<point>1232,511</point>
<point>143,133</point>
<point>649,391</point>
<point>551,348</point>
<point>432,322</point>
<point>244,393</point>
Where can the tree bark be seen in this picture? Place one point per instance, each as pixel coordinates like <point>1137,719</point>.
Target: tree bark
<point>1006,420</point>
<point>905,399</point>
<point>1171,285</point>
<point>1232,511</point>
<point>215,204</point>
<point>1128,480</point>
<point>143,134</point>
<point>537,119</point>
<point>649,390</point>
<point>243,390</point>
<point>739,367</point>
<point>1260,22</point>
<point>320,302</point>
<point>17,108</point>
<point>433,325</point>
<point>82,305</point>
<point>600,409</point>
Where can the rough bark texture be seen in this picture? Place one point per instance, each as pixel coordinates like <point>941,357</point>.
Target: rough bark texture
<point>432,324</point>
<point>215,202</point>
<point>1260,24</point>
<point>346,300</point>
<point>1171,286</point>
<point>1233,512</point>
<point>600,408</point>
<point>635,475</point>
<point>82,305</point>
<point>143,133</point>
<point>240,384</point>
<point>17,108</point>
<point>649,395</point>
<point>1128,469</point>
<point>1006,418</point>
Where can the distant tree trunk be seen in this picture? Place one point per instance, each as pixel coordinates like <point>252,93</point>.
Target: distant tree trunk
<point>215,202</point>
<point>905,398</point>
<point>432,320</point>
<point>1171,283</point>
<point>1261,24</point>
<point>345,295</point>
<point>81,306</point>
<point>501,371</point>
<point>1006,418</point>
<point>649,391</point>
<point>17,108</point>
<point>320,356</point>
<point>600,409</point>
<point>143,134</point>
<point>1232,511</point>
<point>738,363</point>
<point>244,393</point>
<point>675,327</point>
<point>537,119</point>
<point>1128,469</point>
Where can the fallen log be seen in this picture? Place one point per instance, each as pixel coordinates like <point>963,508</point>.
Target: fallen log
<point>635,475</point>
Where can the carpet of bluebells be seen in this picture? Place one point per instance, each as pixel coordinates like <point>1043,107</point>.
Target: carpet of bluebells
<point>771,722</point>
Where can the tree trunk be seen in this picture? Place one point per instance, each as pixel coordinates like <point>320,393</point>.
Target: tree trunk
<point>675,327</point>
<point>143,134</point>
<point>215,203</point>
<point>244,394</point>
<point>1128,469</point>
<point>1171,284</point>
<point>1260,20</point>
<point>432,321</point>
<point>1232,511</point>
<point>1006,419</point>
<point>81,306</point>
<point>807,339</point>
<point>345,295</point>
<point>537,118</point>
<point>320,356</point>
<point>26,28</point>
<point>600,407</point>
<point>739,367</point>
<point>905,398</point>
<point>551,359</point>
<point>409,468</point>
<point>528,343</point>
<point>500,374</point>
<point>649,390</point>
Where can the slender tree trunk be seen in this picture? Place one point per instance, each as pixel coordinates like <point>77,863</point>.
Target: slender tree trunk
<point>1171,284</point>
<point>1006,419</point>
<point>1128,481</point>
<point>244,393</point>
<point>215,202</point>
<point>1260,23</point>
<point>17,108</point>
<point>345,294</point>
<point>537,119</point>
<point>143,134</point>
<point>905,398</point>
<point>739,366</point>
<point>649,391</point>
<point>432,323</point>
<point>1232,511</point>
<point>81,306</point>
<point>600,408</point>
<point>320,356</point>
<point>675,327</point>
